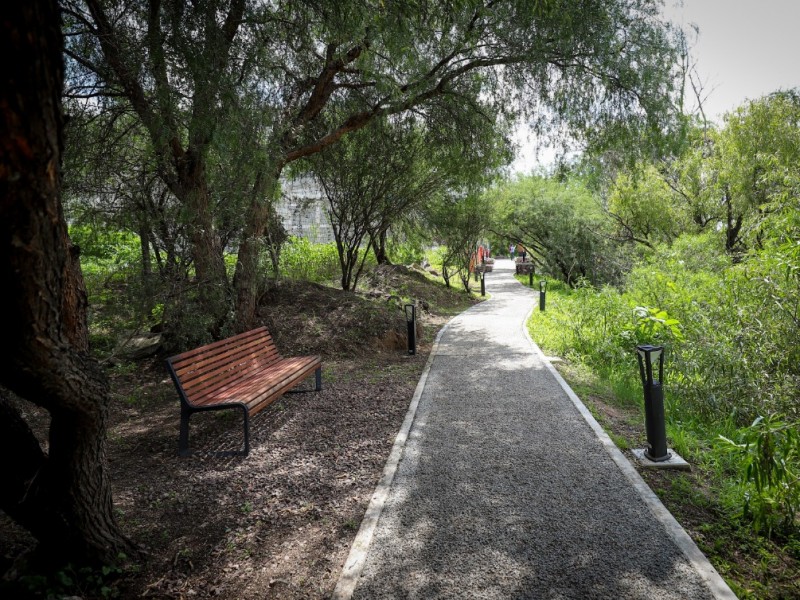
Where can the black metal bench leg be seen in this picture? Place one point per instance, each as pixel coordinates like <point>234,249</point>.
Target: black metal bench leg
<point>246,432</point>
<point>183,439</point>
<point>318,378</point>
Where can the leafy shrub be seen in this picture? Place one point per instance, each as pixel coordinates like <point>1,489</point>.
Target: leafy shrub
<point>111,263</point>
<point>436,256</point>
<point>406,252</point>
<point>769,454</point>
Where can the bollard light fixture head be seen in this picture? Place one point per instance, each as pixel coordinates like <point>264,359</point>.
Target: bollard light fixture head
<point>411,312</point>
<point>543,285</point>
<point>648,355</point>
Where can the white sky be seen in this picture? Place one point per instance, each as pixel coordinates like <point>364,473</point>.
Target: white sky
<point>745,49</point>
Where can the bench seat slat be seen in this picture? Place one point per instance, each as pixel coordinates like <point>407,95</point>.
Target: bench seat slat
<point>258,384</point>
<point>221,371</point>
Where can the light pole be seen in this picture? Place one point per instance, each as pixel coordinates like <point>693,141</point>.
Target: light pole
<point>542,293</point>
<point>653,401</point>
<point>411,322</point>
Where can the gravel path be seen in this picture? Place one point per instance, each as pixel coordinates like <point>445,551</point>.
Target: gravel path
<point>501,488</point>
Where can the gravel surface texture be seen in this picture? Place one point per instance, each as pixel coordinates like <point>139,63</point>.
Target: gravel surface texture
<point>505,491</point>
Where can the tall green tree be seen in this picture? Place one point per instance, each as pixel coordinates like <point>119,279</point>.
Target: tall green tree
<point>560,222</point>
<point>735,177</point>
<point>458,221</point>
<point>596,67</point>
<point>645,209</point>
<point>380,175</point>
<point>757,165</point>
<point>370,179</point>
<point>173,63</point>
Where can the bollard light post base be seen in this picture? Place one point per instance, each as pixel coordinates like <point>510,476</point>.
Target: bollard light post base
<point>673,462</point>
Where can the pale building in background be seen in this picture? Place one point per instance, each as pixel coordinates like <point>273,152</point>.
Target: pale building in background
<point>303,210</point>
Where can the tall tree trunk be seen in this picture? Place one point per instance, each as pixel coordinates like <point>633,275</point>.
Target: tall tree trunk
<point>275,235</point>
<point>379,246</point>
<point>245,280</point>
<point>143,227</point>
<point>66,501</point>
<point>207,251</point>
<point>733,226</point>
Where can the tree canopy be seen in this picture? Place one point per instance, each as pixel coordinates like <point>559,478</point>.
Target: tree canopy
<point>293,78</point>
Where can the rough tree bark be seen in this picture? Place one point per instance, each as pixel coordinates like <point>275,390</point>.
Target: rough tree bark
<point>61,495</point>
<point>246,276</point>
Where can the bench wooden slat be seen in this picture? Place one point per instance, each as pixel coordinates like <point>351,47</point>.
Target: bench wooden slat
<point>242,390</point>
<point>255,353</point>
<point>235,340</point>
<point>244,372</point>
<point>215,371</point>
<point>230,354</point>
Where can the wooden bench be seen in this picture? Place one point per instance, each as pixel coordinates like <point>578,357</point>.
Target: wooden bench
<point>525,268</point>
<point>243,372</point>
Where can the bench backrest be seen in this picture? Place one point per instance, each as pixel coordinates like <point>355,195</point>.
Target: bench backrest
<point>206,369</point>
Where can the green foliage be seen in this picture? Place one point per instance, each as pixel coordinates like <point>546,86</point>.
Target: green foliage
<point>303,260</point>
<point>458,223</point>
<point>644,209</point>
<point>727,328</point>
<point>119,298</point>
<point>653,325</point>
<point>406,253</point>
<point>769,455</point>
<point>560,223</point>
<point>106,246</point>
<point>436,256</point>
<point>72,581</point>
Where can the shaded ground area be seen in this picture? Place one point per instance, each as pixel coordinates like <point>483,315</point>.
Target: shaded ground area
<point>278,523</point>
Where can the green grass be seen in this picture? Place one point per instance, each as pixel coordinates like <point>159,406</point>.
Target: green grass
<point>713,492</point>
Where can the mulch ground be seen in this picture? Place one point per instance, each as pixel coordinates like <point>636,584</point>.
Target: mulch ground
<point>278,523</point>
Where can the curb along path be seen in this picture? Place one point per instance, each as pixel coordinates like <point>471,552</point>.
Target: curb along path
<point>501,485</point>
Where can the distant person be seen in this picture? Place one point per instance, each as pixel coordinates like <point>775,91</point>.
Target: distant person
<point>511,250</point>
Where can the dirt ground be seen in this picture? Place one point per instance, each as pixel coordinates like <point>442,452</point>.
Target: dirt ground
<point>278,523</point>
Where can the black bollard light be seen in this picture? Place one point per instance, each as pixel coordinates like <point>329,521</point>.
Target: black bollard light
<point>530,277</point>
<point>411,321</point>
<point>483,282</point>
<point>542,293</point>
<point>653,401</point>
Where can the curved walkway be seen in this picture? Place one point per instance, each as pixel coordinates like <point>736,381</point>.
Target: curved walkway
<point>501,485</point>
